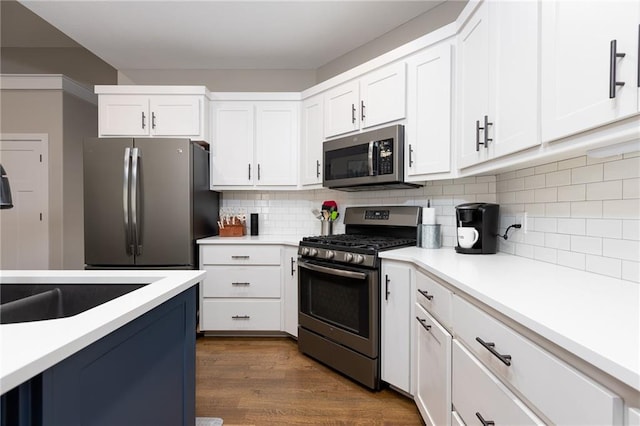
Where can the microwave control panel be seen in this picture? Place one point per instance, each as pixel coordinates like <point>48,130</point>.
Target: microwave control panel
<point>385,157</point>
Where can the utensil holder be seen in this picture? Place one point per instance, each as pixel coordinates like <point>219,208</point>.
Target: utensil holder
<point>326,227</point>
<point>429,236</point>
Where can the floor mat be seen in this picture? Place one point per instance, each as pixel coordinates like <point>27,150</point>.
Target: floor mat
<point>208,421</point>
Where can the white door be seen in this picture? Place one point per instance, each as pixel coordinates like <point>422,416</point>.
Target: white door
<point>382,94</point>
<point>341,109</point>
<point>123,115</point>
<point>396,326</point>
<point>576,59</point>
<point>428,131</point>
<point>514,60</point>
<point>473,86</point>
<point>312,139</point>
<point>276,143</point>
<point>232,148</point>
<point>24,231</point>
<point>176,115</point>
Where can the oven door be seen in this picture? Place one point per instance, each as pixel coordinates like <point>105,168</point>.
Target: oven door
<point>341,303</point>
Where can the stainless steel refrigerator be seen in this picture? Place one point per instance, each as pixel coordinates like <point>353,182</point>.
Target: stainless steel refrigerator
<point>146,201</point>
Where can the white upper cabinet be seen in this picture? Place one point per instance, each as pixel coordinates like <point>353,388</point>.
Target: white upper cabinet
<point>255,144</point>
<point>311,141</point>
<point>153,111</point>
<point>428,130</point>
<point>376,98</point>
<point>498,81</point>
<point>579,90</point>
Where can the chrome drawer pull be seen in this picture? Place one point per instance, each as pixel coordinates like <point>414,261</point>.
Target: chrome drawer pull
<point>240,283</point>
<point>483,421</point>
<point>240,257</point>
<point>422,323</point>
<point>506,359</point>
<point>426,294</point>
<point>240,317</point>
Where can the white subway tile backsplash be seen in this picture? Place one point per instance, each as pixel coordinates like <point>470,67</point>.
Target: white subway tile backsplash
<point>516,184</point>
<point>525,172</point>
<point>622,169</point>
<point>524,250</point>
<point>586,209</point>
<point>631,188</point>
<point>558,209</point>
<point>587,174</point>
<point>572,226</point>
<point>572,163</point>
<point>571,259</point>
<point>631,229</point>
<point>621,249</point>
<point>546,224</point>
<point>610,190</point>
<point>588,245</point>
<point>545,254</point>
<point>557,241</point>
<point>572,193</point>
<point>525,196</point>
<point>621,209</point>
<point>559,178</point>
<point>631,270</point>
<point>596,160</point>
<point>535,181</point>
<point>546,168</point>
<point>476,188</point>
<point>546,195</point>
<point>604,265</point>
<point>608,228</point>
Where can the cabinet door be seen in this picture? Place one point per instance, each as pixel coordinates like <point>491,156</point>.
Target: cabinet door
<point>341,109</point>
<point>276,143</point>
<point>232,153</point>
<point>290,298</point>
<point>312,139</point>
<point>576,53</point>
<point>473,86</point>
<point>429,115</point>
<point>123,115</point>
<point>432,369</point>
<point>514,59</point>
<point>176,115</point>
<point>383,95</point>
<point>396,325</point>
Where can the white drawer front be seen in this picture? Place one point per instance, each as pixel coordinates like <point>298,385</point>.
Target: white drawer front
<point>477,392</point>
<point>242,281</point>
<point>434,298</point>
<point>561,393</point>
<point>240,315</point>
<point>633,417</point>
<point>240,255</point>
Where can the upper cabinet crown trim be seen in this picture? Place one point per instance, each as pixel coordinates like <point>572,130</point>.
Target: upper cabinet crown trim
<point>47,82</point>
<point>152,90</point>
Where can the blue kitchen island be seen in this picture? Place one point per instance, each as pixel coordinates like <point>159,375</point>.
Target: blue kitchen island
<point>127,361</point>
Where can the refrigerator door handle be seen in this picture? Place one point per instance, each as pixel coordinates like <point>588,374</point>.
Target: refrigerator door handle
<point>134,201</point>
<point>125,201</point>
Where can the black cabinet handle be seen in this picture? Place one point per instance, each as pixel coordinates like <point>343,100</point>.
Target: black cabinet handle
<point>362,110</point>
<point>422,323</point>
<point>153,120</point>
<point>410,155</point>
<point>486,131</point>
<point>386,287</point>
<point>293,271</point>
<point>237,284</point>
<point>143,117</point>
<point>235,317</point>
<point>258,171</point>
<point>317,168</point>
<point>613,59</point>
<point>506,359</point>
<point>425,294</point>
<point>638,55</point>
<point>353,113</point>
<point>483,421</point>
<point>249,171</point>
<point>478,128</point>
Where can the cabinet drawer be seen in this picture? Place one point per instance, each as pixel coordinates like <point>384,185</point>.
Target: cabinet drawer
<point>477,392</point>
<point>563,394</point>
<point>242,281</point>
<point>240,255</point>
<point>240,315</point>
<point>434,298</point>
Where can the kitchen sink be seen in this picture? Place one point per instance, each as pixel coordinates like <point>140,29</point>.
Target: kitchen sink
<point>36,302</point>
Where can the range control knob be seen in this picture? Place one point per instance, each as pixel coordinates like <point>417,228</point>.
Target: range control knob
<point>304,251</point>
<point>348,257</point>
<point>358,259</point>
<point>313,252</point>
<point>330,254</point>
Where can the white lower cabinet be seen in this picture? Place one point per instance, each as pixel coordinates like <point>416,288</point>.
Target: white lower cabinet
<point>432,369</point>
<point>243,289</point>
<point>480,398</point>
<point>290,291</point>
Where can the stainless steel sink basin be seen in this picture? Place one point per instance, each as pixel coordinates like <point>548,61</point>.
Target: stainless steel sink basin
<point>36,302</point>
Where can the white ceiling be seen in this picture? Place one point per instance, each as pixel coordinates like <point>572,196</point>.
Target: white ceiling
<point>211,34</point>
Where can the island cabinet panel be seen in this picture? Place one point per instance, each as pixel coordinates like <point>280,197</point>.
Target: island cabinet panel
<point>141,374</point>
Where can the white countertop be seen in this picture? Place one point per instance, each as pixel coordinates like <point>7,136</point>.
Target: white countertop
<point>287,240</point>
<point>27,349</point>
<point>595,317</point>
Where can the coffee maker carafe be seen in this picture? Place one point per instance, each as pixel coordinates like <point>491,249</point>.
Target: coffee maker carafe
<point>477,228</point>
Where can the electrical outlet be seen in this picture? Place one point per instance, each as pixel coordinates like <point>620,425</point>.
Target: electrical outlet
<point>522,219</point>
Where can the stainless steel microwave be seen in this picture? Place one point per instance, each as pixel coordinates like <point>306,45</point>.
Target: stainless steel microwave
<point>371,160</point>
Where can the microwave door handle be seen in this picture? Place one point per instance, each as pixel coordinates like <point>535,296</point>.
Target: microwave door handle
<point>370,158</point>
<point>332,271</point>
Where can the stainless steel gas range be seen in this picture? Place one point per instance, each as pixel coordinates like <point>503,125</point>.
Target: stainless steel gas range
<point>340,291</point>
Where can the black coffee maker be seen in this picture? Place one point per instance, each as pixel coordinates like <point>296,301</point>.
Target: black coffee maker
<point>483,217</point>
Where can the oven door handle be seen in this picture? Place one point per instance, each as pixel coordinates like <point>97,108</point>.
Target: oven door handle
<point>332,271</point>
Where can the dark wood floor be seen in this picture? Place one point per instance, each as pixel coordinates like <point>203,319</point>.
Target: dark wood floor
<point>266,381</point>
